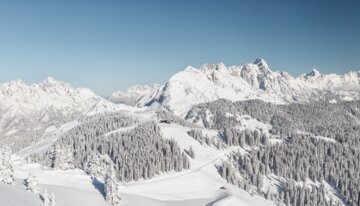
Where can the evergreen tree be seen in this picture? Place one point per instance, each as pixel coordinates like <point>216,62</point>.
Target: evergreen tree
<point>45,198</point>
<point>136,153</point>
<point>111,189</point>
<point>6,168</point>
<point>93,167</point>
<point>192,152</point>
<point>31,184</point>
<point>52,200</point>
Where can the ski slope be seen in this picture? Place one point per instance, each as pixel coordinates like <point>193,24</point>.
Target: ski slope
<point>70,187</point>
<point>51,135</point>
<point>17,196</point>
<point>197,186</point>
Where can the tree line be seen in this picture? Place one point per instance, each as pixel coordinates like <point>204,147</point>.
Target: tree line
<point>133,153</point>
<point>301,158</point>
<point>231,137</point>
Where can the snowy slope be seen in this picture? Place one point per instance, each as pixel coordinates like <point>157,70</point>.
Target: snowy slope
<point>47,99</point>
<point>137,95</point>
<point>39,114</point>
<point>50,136</point>
<point>16,196</point>
<point>198,186</point>
<point>27,110</point>
<point>70,187</point>
<point>251,81</point>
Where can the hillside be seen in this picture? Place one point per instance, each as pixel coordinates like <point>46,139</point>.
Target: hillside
<point>240,135</point>
<point>27,110</point>
<point>249,81</point>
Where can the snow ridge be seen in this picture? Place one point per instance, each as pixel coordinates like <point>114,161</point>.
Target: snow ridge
<point>137,95</point>
<point>25,108</point>
<point>251,81</point>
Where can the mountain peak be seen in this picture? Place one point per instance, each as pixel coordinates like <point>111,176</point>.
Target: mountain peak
<point>13,86</point>
<point>137,95</point>
<point>190,69</point>
<point>213,67</point>
<point>50,84</point>
<point>51,81</point>
<point>262,64</point>
<point>17,82</point>
<point>313,73</point>
<point>259,60</point>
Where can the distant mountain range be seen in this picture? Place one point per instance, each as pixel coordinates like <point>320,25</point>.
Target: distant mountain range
<point>29,109</point>
<point>250,81</point>
<point>138,95</point>
<point>50,97</point>
<point>54,124</point>
<point>21,103</point>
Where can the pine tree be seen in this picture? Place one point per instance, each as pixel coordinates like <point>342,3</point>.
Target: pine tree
<point>128,151</point>
<point>268,194</point>
<point>45,198</point>
<point>52,200</point>
<point>191,152</point>
<point>92,166</point>
<point>32,184</point>
<point>111,189</point>
<point>63,158</point>
<point>6,168</point>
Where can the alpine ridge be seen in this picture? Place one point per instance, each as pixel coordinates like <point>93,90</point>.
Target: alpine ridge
<point>29,109</point>
<point>72,139</point>
<point>249,81</point>
<point>137,95</point>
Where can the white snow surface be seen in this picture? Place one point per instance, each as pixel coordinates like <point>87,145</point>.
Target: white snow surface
<point>248,122</point>
<point>251,81</point>
<point>21,103</point>
<point>40,103</point>
<point>199,185</point>
<point>70,187</point>
<point>17,196</point>
<point>50,136</point>
<point>137,95</point>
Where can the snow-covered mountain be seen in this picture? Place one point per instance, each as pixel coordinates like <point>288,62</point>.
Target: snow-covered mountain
<point>21,104</point>
<point>29,109</point>
<point>251,81</point>
<point>46,99</point>
<point>137,95</point>
<point>163,159</point>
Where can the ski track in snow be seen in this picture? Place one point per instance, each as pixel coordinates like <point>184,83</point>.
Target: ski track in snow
<point>16,196</point>
<point>199,185</point>
<point>50,136</point>
<point>70,187</point>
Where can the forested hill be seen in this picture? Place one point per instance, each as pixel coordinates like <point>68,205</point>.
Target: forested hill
<point>319,149</point>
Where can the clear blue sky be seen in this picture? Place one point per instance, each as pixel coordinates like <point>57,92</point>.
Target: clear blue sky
<point>110,45</point>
